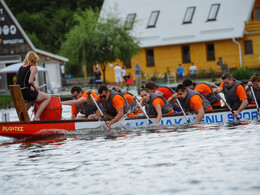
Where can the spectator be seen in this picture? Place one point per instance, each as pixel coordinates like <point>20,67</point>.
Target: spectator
<point>125,77</point>
<point>98,80</point>
<point>118,75</point>
<point>138,75</point>
<point>180,71</point>
<point>193,72</point>
<point>223,66</point>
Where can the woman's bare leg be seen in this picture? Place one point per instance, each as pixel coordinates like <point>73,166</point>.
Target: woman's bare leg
<point>45,99</point>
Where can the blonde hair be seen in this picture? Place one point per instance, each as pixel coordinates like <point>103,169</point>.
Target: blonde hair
<point>32,58</point>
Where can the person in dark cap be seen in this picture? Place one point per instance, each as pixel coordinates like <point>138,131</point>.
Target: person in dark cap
<point>204,89</point>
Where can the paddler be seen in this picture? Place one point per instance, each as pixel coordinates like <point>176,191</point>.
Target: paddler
<point>193,101</point>
<point>80,103</point>
<point>164,91</point>
<point>255,83</point>
<point>113,105</point>
<point>204,89</point>
<point>155,104</point>
<point>134,110</point>
<point>234,93</point>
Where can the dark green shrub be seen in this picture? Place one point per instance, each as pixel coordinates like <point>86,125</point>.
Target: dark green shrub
<point>213,74</point>
<point>242,74</point>
<point>202,74</point>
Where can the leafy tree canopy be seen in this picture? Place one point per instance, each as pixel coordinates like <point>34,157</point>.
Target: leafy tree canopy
<point>47,22</point>
<point>98,40</point>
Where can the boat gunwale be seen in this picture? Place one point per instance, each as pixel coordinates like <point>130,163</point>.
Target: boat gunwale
<point>93,120</point>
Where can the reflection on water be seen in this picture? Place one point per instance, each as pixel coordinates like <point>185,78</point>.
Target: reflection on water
<point>181,159</point>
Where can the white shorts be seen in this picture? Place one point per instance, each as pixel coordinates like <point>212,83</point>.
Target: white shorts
<point>119,78</point>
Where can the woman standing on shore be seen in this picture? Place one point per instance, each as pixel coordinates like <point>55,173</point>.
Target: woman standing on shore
<point>25,78</point>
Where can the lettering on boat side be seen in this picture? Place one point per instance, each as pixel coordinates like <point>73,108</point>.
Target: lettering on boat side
<point>210,118</point>
<point>244,116</point>
<point>12,128</point>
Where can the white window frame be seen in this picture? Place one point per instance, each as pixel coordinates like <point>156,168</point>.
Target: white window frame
<point>213,12</point>
<point>153,19</point>
<point>189,15</point>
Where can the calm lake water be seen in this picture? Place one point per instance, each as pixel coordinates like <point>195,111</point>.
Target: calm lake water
<point>187,159</point>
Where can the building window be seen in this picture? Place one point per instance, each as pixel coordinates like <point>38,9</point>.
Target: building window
<point>210,52</point>
<point>153,19</point>
<point>185,53</point>
<point>149,58</point>
<point>130,21</point>
<point>248,47</point>
<point>257,13</point>
<point>127,63</point>
<point>213,12</point>
<point>189,15</point>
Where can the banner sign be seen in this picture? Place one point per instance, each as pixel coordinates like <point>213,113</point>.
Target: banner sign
<point>9,34</point>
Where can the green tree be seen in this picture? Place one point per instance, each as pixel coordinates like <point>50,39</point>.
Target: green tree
<point>99,40</point>
<point>79,46</point>
<point>47,21</point>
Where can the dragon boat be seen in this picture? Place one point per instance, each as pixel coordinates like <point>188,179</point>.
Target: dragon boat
<point>24,128</point>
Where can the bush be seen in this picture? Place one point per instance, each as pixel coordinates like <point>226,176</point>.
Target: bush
<point>242,74</point>
<point>213,74</point>
<point>202,74</point>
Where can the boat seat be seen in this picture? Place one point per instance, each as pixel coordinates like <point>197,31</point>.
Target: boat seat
<point>19,102</point>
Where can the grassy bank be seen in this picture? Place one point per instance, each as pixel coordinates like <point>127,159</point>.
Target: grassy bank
<point>6,102</point>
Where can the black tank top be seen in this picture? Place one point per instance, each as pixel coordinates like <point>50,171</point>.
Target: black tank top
<point>23,76</point>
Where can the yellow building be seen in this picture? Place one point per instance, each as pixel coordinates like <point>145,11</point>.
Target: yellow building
<point>181,32</point>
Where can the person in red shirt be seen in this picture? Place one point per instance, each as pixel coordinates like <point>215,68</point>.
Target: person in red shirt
<point>234,92</point>
<point>164,91</point>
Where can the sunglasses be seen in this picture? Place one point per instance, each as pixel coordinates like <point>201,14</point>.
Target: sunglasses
<point>103,96</point>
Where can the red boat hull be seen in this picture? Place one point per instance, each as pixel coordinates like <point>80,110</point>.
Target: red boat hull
<point>29,130</point>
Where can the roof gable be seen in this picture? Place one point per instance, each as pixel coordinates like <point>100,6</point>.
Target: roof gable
<point>16,32</point>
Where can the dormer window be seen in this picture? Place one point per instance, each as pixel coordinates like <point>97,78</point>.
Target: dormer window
<point>189,15</point>
<point>213,12</point>
<point>130,21</point>
<point>153,19</point>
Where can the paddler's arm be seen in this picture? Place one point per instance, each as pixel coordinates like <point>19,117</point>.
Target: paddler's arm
<point>200,115</point>
<point>159,93</point>
<point>213,85</point>
<point>90,100</point>
<point>159,113</point>
<point>249,84</point>
<point>173,98</point>
<point>218,90</point>
<point>73,116</point>
<point>242,107</point>
<point>120,114</point>
<point>74,102</point>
